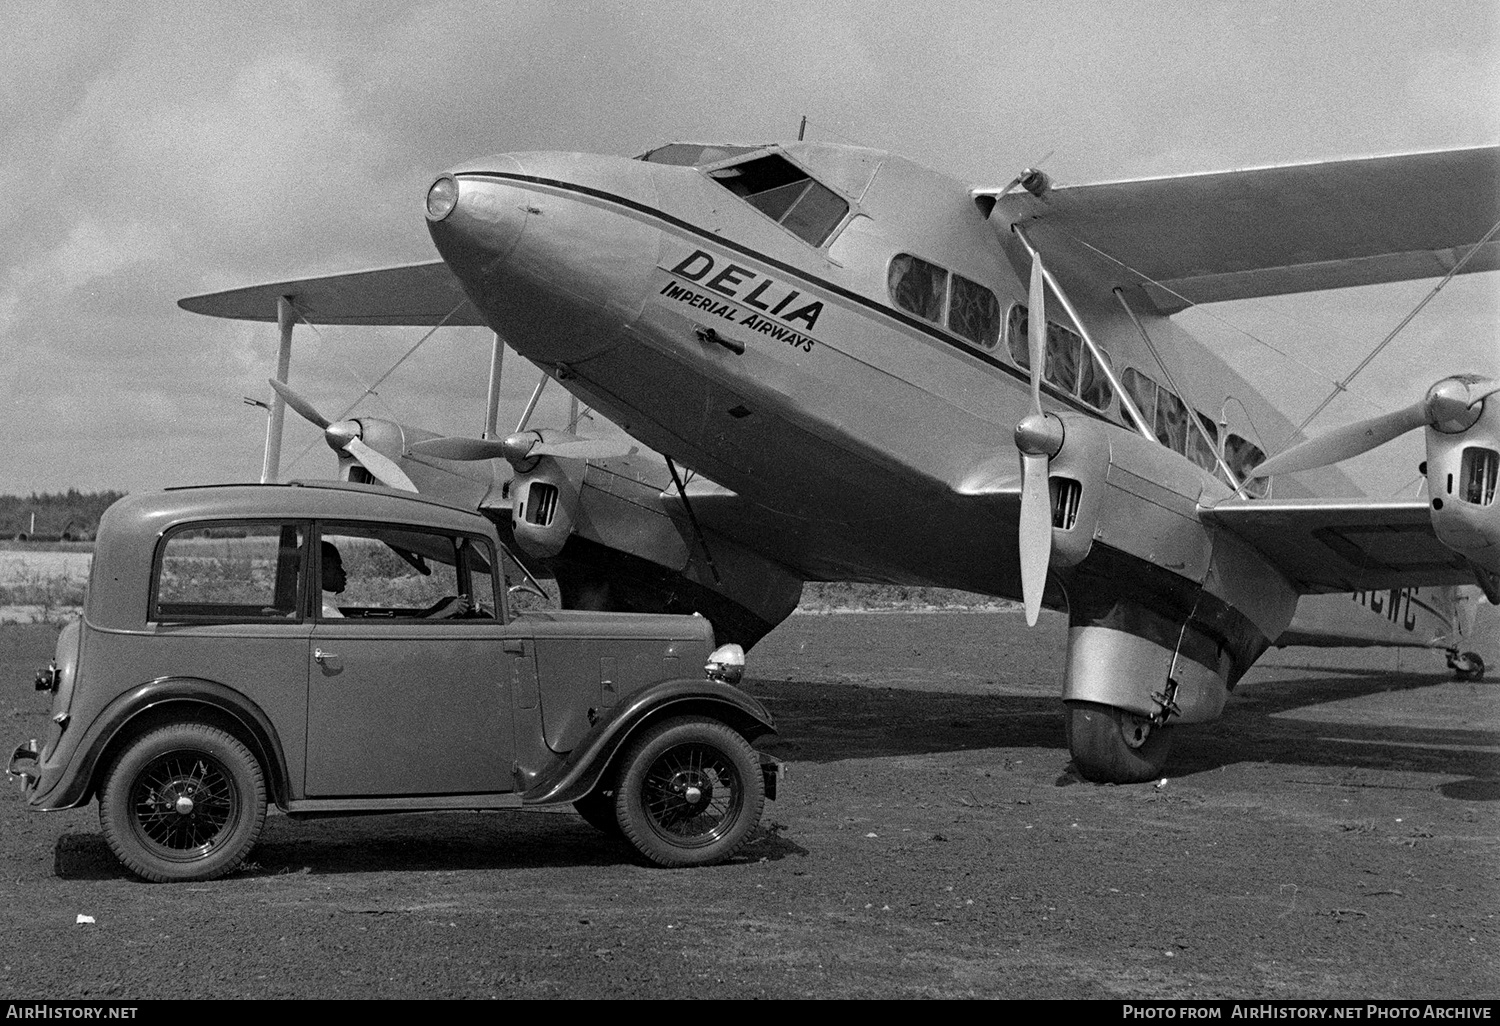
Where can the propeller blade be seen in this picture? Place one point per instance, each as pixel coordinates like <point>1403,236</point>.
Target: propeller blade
<point>461,449</point>
<point>1035,533</point>
<point>1036,331</point>
<point>1345,442</point>
<point>524,445</point>
<point>580,448</point>
<point>298,403</point>
<point>383,467</point>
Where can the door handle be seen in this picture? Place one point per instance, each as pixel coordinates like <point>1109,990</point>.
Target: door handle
<point>330,661</point>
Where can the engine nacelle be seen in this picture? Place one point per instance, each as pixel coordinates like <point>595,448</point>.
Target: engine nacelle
<point>544,505</point>
<point>1463,468</point>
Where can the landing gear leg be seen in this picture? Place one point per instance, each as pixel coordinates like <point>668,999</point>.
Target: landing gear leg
<point>1465,665</point>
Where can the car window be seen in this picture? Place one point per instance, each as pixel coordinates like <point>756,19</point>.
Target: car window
<point>230,572</point>
<point>401,572</point>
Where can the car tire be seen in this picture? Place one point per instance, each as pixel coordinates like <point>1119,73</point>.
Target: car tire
<point>183,802</point>
<point>690,792</point>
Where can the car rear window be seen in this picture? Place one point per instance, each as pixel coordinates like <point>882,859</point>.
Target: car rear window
<point>230,572</point>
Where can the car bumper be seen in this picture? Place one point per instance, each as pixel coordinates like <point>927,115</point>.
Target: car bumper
<point>25,762</point>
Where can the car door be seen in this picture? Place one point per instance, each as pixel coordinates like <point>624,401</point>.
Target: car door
<point>402,700</point>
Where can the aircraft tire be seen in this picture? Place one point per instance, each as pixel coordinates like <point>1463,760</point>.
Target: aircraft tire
<point>1108,747</point>
<point>1472,667</point>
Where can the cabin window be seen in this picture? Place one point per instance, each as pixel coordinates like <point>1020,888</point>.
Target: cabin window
<point>1203,445</point>
<point>964,307</point>
<point>918,287</point>
<point>974,312</point>
<point>1093,385</point>
<point>1171,420</point>
<point>1070,364</point>
<point>1169,416</point>
<point>787,195</point>
<point>1142,392</point>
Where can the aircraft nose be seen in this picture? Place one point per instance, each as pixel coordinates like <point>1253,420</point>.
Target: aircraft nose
<point>480,220</point>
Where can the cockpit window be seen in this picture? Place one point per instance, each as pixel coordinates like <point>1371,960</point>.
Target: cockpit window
<point>692,154</point>
<point>787,195</point>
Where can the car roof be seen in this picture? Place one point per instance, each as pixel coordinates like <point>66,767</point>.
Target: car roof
<point>128,531</point>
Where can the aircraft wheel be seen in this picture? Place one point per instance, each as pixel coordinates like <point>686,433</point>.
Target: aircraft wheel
<point>1112,746</point>
<point>184,802</point>
<point>1467,666</point>
<point>690,792</point>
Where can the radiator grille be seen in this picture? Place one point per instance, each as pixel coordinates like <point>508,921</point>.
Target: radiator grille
<point>1477,475</point>
<point>541,504</point>
<point>1066,494</point>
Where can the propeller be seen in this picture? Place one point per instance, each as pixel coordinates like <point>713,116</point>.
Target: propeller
<point>1039,437</point>
<point>344,436</point>
<point>523,446</point>
<point>1450,406</point>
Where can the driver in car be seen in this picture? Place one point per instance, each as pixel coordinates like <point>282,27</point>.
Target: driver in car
<point>334,582</point>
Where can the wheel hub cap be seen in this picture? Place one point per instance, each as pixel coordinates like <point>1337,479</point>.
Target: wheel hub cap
<point>693,788</point>
<point>183,805</point>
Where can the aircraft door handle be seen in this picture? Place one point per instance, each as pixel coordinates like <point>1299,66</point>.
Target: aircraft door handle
<point>331,662</point>
<point>710,335</point>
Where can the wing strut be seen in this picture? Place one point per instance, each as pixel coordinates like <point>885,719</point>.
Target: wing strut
<point>1109,372</point>
<point>693,519</point>
<point>492,401</point>
<point>1343,386</point>
<point>1197,421</point>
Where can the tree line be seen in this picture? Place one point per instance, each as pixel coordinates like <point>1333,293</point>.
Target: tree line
<point>71,514</point>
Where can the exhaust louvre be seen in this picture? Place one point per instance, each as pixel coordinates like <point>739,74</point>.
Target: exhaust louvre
<point>1477,475</point>
<point>1066,495</point>
<point>542,504</point>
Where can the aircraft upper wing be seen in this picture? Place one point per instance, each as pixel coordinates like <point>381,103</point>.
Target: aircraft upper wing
<point>411,294</point>
<point>1276,230</point>
<point>1326,545</point>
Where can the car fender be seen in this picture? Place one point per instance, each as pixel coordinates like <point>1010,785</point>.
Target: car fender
<point>152,702</point>
<point>579,773</point>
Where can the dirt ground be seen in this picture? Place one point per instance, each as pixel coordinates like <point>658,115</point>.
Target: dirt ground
<point>1335,835</point>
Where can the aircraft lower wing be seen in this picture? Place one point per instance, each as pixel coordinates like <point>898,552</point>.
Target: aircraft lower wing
<point>1344,545</point>
<point>411,294</point>
<point>1277,230</point>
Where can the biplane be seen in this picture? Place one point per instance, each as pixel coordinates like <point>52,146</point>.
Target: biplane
<point>856,368</point>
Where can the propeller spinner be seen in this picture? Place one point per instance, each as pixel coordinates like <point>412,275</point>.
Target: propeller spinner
<point>344,436</point>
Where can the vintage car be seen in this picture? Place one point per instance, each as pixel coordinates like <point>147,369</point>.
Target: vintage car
<point>337,648</point>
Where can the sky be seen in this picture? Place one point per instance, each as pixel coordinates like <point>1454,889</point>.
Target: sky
<point>156,150</point>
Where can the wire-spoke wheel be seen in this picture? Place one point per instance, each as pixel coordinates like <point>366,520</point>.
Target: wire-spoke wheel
<point>690,793</point>
<point>184,802</point>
